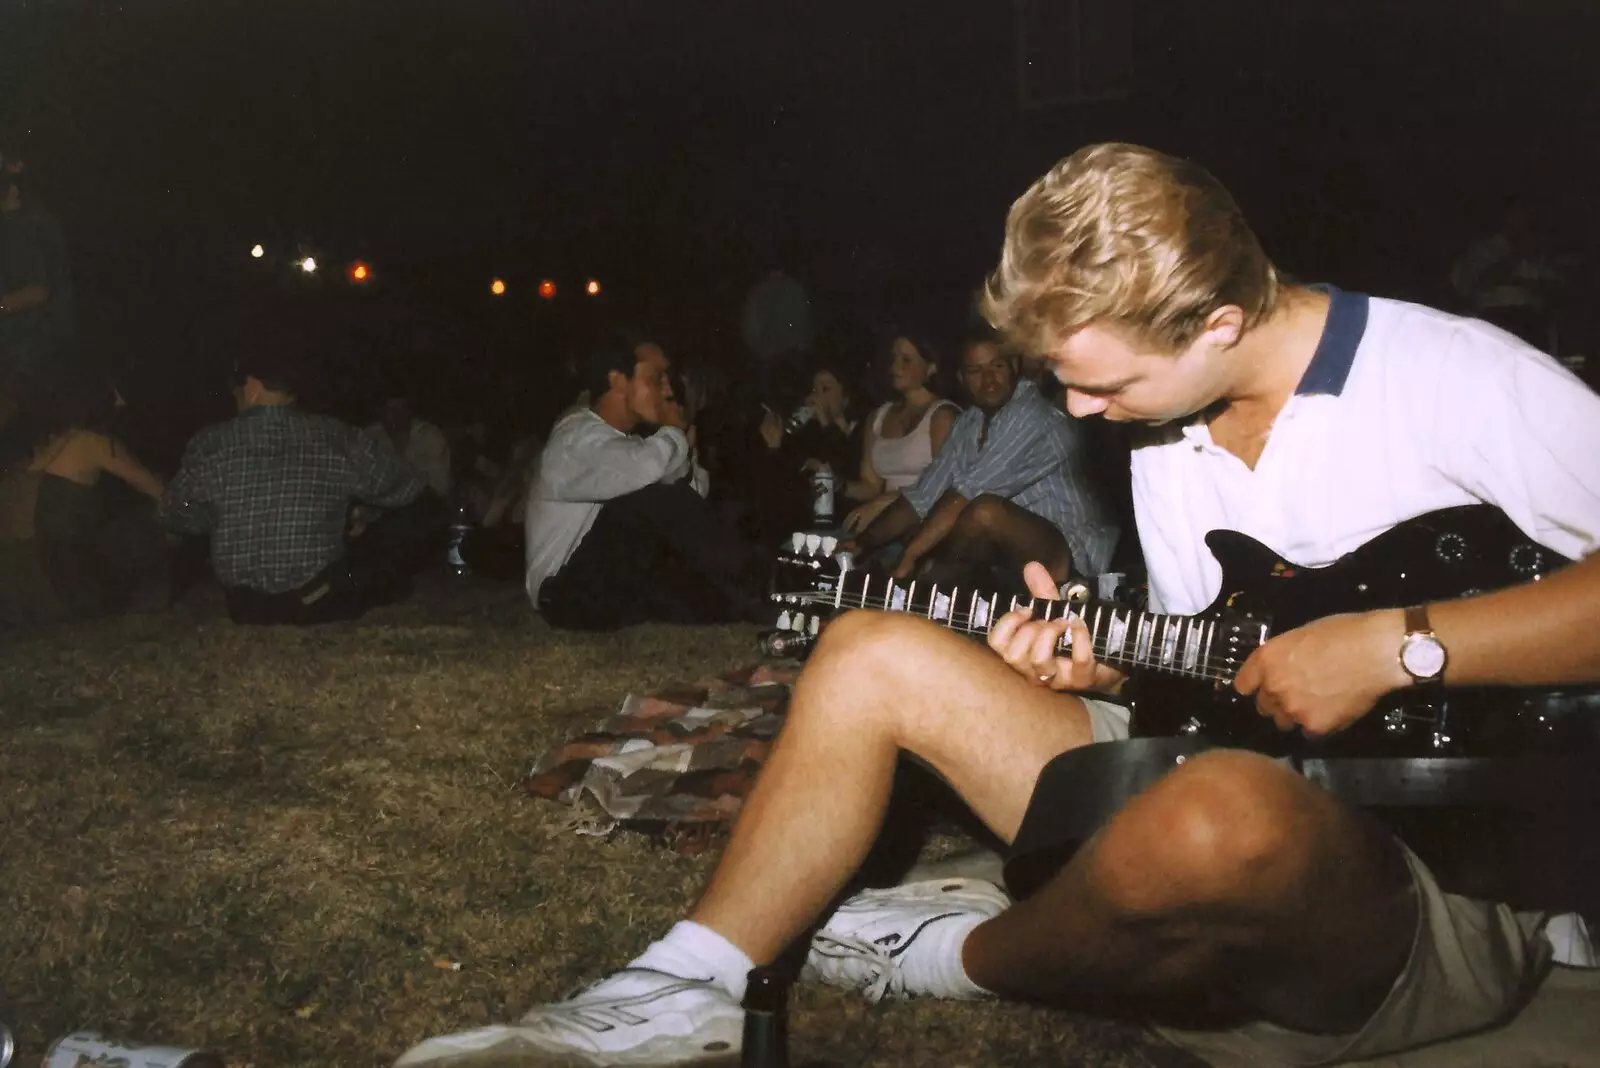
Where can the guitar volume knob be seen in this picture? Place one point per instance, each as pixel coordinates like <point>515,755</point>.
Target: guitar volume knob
<point>1450,548</point>
<point>1526,560</point>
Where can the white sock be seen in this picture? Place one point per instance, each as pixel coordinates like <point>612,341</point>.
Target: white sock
<point>932,966</point>
<point>694,951</point>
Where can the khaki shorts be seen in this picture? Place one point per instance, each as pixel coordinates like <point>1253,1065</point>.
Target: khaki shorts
<point>1108,721</point>
<point>1472,965</point>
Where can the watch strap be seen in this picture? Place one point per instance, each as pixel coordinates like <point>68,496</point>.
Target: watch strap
<point>1417,620</point>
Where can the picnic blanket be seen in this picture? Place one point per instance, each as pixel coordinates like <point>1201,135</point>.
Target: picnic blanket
<point>676,763</point>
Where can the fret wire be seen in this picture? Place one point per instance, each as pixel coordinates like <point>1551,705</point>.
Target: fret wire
<point>933,599</point>
<point>1200,632</point>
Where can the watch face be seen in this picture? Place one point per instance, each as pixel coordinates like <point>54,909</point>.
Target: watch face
<point>1423,656</point>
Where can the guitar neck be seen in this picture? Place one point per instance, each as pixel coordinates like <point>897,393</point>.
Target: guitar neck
<point>1123,637</point>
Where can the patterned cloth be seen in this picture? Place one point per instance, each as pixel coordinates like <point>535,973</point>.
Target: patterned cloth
<point>273,487</point>
<point>1034,457</point>
<point>678,762</point>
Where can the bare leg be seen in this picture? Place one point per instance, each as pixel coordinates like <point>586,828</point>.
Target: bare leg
<point>1232,881</point>
<point>877,684</point>
<point>993,535</point>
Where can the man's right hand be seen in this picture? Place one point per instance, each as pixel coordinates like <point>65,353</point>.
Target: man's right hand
<point>1029,645</point>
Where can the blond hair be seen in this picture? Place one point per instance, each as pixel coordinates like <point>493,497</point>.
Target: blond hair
<point>1131,238</point>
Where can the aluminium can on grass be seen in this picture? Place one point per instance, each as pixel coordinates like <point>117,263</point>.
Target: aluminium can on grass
<point>88,1049</point>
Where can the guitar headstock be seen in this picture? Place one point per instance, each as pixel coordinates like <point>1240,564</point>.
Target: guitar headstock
<point>805,580</point>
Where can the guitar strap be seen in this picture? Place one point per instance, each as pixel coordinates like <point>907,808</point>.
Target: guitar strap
<point>1080,790</point>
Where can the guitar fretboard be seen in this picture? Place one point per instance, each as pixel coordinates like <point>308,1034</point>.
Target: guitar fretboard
<point>1121,636</point>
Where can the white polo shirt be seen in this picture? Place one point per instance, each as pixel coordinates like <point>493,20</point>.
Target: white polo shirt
<point>1403,410</point>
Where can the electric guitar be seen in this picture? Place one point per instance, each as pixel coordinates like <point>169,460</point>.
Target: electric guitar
<point>1182,667</point>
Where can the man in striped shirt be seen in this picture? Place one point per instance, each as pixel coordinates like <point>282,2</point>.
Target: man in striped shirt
<point>1011,484</point>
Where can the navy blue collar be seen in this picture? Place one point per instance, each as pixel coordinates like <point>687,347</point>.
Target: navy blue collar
<point>1341,336</point>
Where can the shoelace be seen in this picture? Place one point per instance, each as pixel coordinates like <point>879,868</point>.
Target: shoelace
<point>883,977</point>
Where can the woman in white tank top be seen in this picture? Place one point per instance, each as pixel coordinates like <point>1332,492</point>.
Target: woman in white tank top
<point>902,435</point>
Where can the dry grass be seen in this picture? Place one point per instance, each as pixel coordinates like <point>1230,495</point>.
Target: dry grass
<point>264,841</point>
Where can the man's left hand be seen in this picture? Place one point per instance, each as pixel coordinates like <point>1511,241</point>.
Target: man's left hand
<point>1324,676</point>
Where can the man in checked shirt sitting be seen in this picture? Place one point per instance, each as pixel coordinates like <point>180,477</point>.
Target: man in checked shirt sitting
<point>273,487</point>
<point>1010,484</point>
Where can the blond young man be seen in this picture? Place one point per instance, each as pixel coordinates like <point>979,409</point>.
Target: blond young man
<point>1231,889</point>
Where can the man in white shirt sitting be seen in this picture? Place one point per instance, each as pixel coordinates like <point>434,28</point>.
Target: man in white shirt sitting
<point>617,527</point>
<point>416,441</point>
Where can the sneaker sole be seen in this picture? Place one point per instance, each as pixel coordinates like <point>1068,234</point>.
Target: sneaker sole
<point>512,1047</point>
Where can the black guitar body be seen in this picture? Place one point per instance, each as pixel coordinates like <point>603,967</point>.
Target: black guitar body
<point>1440,556</point>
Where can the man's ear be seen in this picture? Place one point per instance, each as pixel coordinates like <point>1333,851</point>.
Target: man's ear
<point>1225,325</point>
<point>616,382</point>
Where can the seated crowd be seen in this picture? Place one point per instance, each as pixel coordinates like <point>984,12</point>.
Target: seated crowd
<point>655,497</point>
<point>623,524</point>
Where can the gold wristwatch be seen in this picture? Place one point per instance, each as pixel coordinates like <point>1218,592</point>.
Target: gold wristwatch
<point>1422,654</point>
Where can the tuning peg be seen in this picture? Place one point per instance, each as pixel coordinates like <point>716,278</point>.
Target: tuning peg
<point>815,626</point>
<point>783,620</point>
<point>797,541</point>
<point>799,622</point>
<point>813,543</point>
<point>829,543</point>
<point>845,561</point>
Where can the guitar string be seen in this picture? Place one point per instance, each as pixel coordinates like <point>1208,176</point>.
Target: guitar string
<point>1210,666</point>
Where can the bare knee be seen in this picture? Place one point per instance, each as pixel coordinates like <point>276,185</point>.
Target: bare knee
<point>871,649</point>
<point>871,661</point>
<point>1226,827</point>
<point>984,517</point>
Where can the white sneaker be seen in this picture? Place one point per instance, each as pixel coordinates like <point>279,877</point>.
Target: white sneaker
<point>634,1016</point>
<point>865,944</point>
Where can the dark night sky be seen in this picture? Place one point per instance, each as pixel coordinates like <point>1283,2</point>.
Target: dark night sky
<point>667,147</point>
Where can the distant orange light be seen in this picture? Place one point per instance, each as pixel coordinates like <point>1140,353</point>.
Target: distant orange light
<point>359,272</point>
<point>547,289</point>
<point>498,287</point>
<point>593,288</point>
